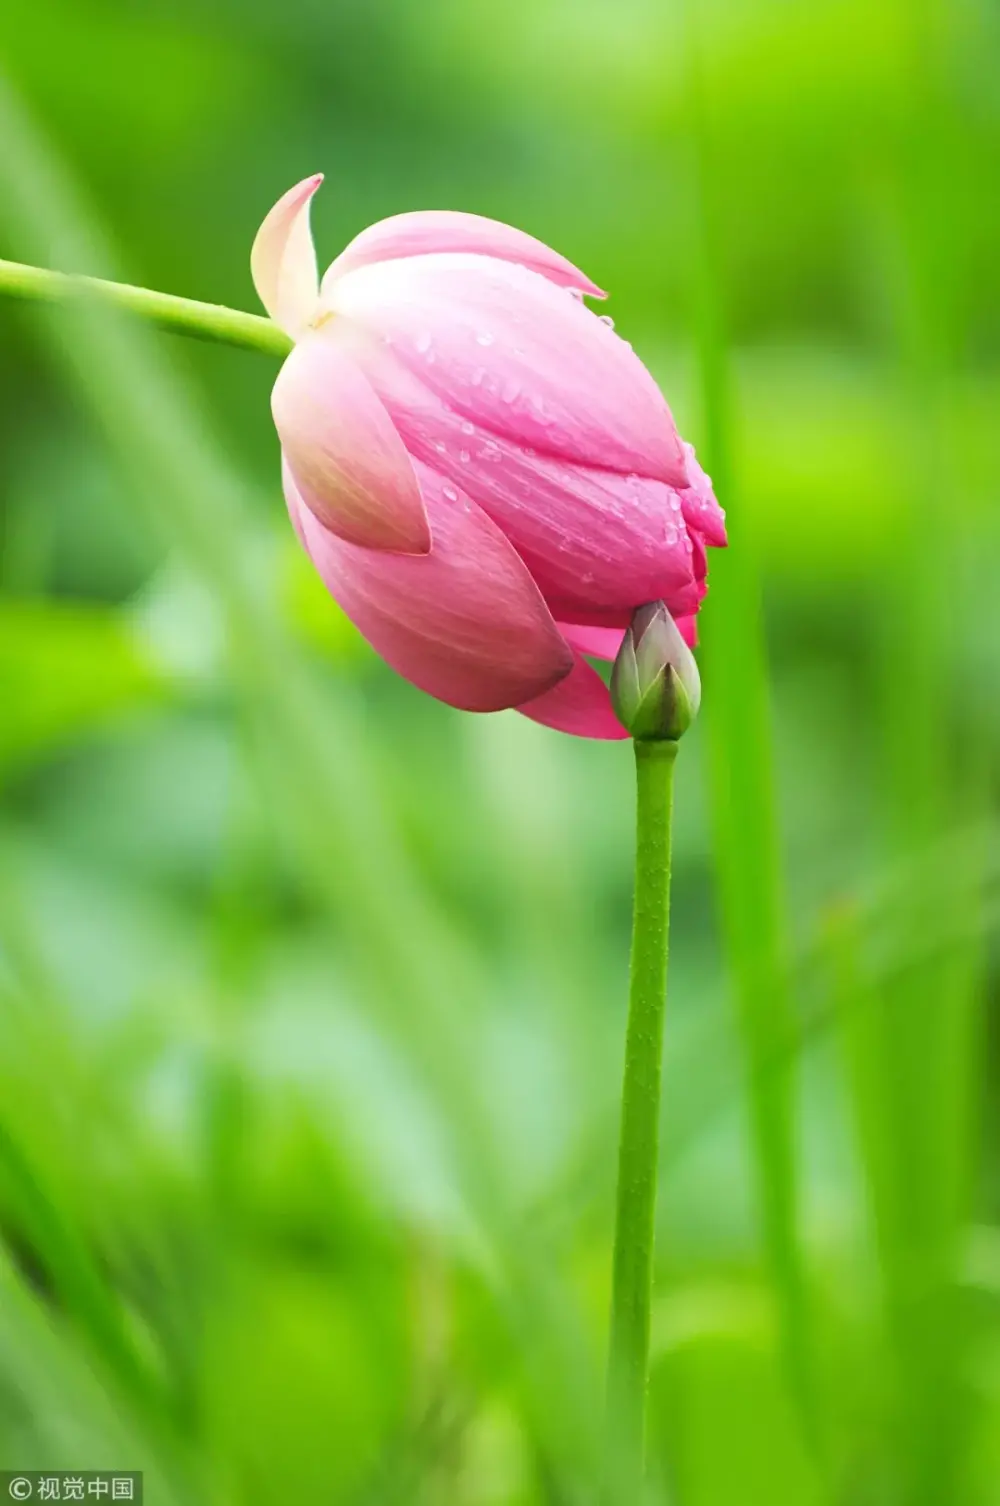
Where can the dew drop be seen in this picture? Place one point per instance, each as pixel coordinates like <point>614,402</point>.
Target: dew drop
<point>464,456</point>
<point>423,343</point>
<point>450,493</point>
<point>484,338</point>
<point>607,319</point>
<point>468,428</point>
<point>441,449</point>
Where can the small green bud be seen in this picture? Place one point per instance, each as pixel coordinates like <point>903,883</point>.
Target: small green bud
<point>655,686</point>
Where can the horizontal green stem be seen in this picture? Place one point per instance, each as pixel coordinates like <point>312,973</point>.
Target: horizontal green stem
<point>182,316</point>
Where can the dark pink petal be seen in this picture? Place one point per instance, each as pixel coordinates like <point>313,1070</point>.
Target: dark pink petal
<point>466,623</point>
<point>604,642</point>
<point>431,230</point>
<point>349,463</point>
<point>519,357</point>
<point>699,560</point>
<point>283,260</point>
<point>580,704</point>
<point>595,540</point>
<point>701,511</point>
<point>688,629</point>
<point>597,642</point>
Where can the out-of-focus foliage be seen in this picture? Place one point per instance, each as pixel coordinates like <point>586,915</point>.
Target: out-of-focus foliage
<point>312,990</point>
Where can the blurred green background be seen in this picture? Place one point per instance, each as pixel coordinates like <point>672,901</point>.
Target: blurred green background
<point>311,989</point>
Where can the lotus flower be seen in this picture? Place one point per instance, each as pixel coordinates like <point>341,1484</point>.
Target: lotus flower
<point>486,477</point>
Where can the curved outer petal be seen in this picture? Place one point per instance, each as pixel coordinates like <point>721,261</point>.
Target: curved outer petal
<point>465,623</point>
<point>604,642</point>
<point>349,463</point>
<point>427,231</point>
<point>688,629</point>
<point>597,642</point>
<point>283,259</point>
<point>518,356</point>
<point>580,704</point>
<point>596,541</point>
<point>701,510</point>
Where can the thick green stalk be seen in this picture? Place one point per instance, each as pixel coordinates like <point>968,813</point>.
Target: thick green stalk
<point>628,1361</point>
<point>183,316</point>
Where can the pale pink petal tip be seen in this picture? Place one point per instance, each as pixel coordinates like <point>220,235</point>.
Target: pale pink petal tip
<point>580,704</point>
<point>283,259</point>
<point>427,232</point>
<point>349,463</point>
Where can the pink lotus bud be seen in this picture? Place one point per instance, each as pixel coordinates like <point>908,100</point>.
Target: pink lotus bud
<point>485,475</point>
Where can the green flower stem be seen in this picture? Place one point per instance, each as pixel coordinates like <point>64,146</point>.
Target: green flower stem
<point>628,1362</point>
<point>183,316</point>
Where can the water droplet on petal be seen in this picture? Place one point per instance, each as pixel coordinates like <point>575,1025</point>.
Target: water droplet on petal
<point>468,428</point>
<point>423,342</point>
<point>464,456</point>
<point>450,493</point>
<point>441,449</point>
<point>484,338</point>
<point>607,319</point>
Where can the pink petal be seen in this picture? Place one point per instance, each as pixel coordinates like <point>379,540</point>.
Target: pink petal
<point>688,629</point>
<point>466,623</point>
<point>580,704</point>
<point>508,350</point>
<point>283,259</point>
<point>431,230</point>
<point>597,642</point>
<point>604,642</point>
<point>349,463</point>
<point>596,541</point>
<point>701,511</point>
